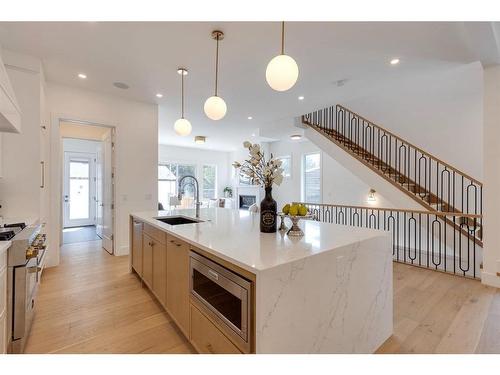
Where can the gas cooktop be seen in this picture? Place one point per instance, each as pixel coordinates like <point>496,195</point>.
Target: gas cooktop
<point>8,231</point>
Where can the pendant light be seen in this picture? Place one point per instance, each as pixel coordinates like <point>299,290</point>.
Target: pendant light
<point>215,107</point>
<point>282,71</point>
<point>182,126</point>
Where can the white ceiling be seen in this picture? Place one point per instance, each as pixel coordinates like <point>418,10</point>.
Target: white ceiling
<point>147,55</point>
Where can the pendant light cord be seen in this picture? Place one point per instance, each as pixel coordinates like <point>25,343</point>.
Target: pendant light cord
<point>283,37</point>
<point>216,63</point>
<point>182,94</point>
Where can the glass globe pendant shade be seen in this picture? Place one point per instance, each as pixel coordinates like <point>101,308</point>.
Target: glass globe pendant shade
<point>215,107</point>
<point>182,127</point>
<point>282,73</point>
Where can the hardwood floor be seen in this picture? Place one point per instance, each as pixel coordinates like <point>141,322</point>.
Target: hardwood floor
<point>92,304</point>
<point>440,313</point>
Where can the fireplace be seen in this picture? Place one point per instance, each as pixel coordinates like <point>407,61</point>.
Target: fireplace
<point>246,201</point>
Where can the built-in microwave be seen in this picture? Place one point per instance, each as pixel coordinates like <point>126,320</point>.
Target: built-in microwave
<point>224,293</point>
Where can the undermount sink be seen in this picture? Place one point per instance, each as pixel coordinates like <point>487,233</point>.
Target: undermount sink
<point>178,220</point>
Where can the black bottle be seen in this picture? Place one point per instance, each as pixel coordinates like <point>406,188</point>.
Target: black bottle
<point>268,210</point>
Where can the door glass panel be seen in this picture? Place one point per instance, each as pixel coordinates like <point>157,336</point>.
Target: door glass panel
<point>79,182</point>
<point>222,300</point>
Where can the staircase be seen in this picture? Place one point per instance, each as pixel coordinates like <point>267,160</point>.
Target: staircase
<point>434,184</point>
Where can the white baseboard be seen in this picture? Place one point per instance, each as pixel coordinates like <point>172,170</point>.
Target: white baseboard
<point>490,279</point>
<point>122,250</point>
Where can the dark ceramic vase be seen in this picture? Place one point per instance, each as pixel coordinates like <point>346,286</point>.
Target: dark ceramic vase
<point>268,211</point>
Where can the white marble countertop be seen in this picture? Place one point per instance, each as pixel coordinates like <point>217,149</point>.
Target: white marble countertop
<point>234,235</point>
<point>4,245</point>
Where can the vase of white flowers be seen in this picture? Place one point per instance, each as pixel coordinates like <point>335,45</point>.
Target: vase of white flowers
<point>264,173</point>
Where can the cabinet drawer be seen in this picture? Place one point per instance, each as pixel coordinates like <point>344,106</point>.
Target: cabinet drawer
<point>155,233</point>
<point>207,338</point>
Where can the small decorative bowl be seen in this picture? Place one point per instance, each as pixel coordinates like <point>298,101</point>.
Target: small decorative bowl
<point>295,230</point>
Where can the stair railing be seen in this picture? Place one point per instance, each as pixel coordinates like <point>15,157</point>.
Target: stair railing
<point>437,185</point>
<point>419,238</point>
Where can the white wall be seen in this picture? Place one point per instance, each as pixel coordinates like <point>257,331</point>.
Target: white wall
<point>199,157</point>
<point>440,112</point>
<point>338,185</point>
<point>136,151</point>
<point>491,198</point>
<point>20,185</point>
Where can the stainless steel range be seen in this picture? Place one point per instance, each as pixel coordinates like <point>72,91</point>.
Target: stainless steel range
<point>25,261</point>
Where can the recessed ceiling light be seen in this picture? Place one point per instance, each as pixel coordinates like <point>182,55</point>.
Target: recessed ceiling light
<point>295,137</point>
<point>301,97</point>
<point>253,134</point>
<point>394,61</point>
<point>249,117</point>
<point>200,139</point>
<point>82,76</point>
<point>159,95</point>
<point>121,85</point>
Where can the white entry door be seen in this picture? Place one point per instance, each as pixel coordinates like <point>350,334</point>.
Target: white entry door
<point>107,201</point>
<point>79,189</point>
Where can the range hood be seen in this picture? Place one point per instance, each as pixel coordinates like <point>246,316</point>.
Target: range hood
<point>10,114</point>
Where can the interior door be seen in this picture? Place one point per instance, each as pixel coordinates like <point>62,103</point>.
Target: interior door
<point>79,189</point>
<point>108,189</point>
<point>99,190</point>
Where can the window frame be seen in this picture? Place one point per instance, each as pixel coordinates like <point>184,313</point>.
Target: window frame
<point>290,158</point>
<point>168,164</point>
<point>303,176</point>
<point>203,183</point>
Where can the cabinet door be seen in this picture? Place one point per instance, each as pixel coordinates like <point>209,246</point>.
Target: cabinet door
<point>178,282</point>
<point>147,259</point>
<point>137,246</point>
<point>160,272</point>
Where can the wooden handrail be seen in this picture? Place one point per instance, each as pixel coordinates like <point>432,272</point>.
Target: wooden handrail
<point>412,145</point>
<point>424,212</point>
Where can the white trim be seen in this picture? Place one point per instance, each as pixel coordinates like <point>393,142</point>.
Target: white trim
<point>56,152</point>
<point>490,279</point>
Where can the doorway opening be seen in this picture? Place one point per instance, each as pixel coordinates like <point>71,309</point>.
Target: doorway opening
<point>87,184</point>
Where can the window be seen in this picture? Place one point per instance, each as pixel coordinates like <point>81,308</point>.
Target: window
<point>311,178</point>
<point>168,177</point>
<point>209,184</point>
<point>79,194</point>
<point>286,164</point>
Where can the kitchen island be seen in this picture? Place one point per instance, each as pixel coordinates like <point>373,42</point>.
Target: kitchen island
<point>329,291</point>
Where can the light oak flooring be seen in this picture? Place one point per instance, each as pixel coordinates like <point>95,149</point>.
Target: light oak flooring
<point>92,304</point>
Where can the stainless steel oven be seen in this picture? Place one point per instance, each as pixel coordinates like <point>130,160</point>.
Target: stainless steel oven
<point>224,293</point>
<point>26,259</point>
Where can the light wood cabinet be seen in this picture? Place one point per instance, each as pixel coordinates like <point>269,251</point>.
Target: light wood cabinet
<point>206,338</point>
<point>178,282</point>
<point>160,272</point>
<point>162,262</point>
<point>147,260</point>
<point>137,246</point>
